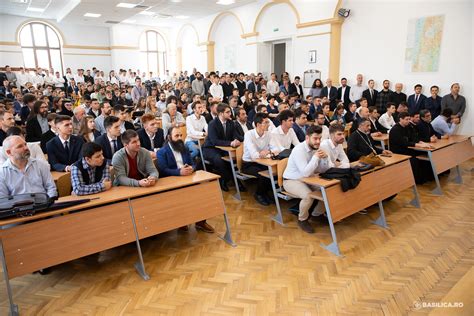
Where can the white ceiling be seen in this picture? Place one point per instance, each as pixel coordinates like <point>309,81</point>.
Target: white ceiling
<point>72,11</point>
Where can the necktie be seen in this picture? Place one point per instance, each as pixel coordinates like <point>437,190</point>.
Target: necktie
<point>66,147</point>
<point>416,98</point>
<point>114,141</point>
<point>371,94</point>
<point>224,126</point>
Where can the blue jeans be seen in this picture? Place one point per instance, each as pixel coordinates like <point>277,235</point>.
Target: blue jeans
<point>193,148</point>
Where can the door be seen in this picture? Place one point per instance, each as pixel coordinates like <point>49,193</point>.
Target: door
<point>279,58</point>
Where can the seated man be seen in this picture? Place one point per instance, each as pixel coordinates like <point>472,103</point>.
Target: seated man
<point>46,137</point>
<point>257,145</point>
<point>387,119</point>
<point>37,124</point>
<point>35,149</point>
<point>375,126</point>
<point>196,126</point>
<point>174,159</point>
<point>242,124</point>
<point>401,137</point>
<point>426,132</point>
<point>360,143</point>
<point>151,136</point>
<point>64,149</point>
<point>221,132</point>
<point>305,160</point>
<point>320,120</point>
<point>110,141</point>
<point>21,174</point>
<point>133,165</point>
<point>284,137</point>
<point>299,126</point>
<point>333,147</point>
<point>121,113</point>
<point>90,174</point>
<point>445,124</point>
<point>7,120</point>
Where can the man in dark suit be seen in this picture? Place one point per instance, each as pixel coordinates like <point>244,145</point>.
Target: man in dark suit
<point>330,92</point>
<point>64,149</point>
<point>344,92</point>
<point>299,126</point>
<point>110,141</point>
<point>151,136</point>
<point>37,124</point>
<point>241,84</point>
<point>426,133</point>
<point>242,125</point>
<point>296,88</point>
<point>168,165</point>
<point>94,109</point>
<point>220,132</point>
<point>212,114</point>
<point>433,102</point>
<point>370,94</point>
<point>416,101</point>
<point>7,120</point>
<point>227,87</point>
<point>51,133</point>
<point>254,86</point>
<point>398,96</point>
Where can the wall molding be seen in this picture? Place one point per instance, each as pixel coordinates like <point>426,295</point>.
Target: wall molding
<point>11,51</point>
<point>10,43</point>
<point>276,2</point>
<point>313,34</point>
<point>252,43</point>
<point>125,47</point>
<point>180,34</point>
<point>253,34</point>
<point>219,17</point>
<point>86,47</point>
<point>85,54</point>
<point>320,22</point>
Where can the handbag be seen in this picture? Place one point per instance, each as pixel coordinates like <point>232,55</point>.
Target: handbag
<point>282,155</point>
<point>372,159</point>
<point>24,204</point>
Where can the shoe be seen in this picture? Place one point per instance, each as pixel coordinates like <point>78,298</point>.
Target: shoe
<point>242,187</point>
<point>306,226</point>
<point>184,228</point>
<point>44,271</point>
<point>363,212</point>
<point>261,199</point>
<point>224,186</point>
<point>270,198</point>
<point>205,227</point>
<point>322,218</point>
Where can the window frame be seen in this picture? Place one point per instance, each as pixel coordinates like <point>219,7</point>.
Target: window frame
<point>160,54</point>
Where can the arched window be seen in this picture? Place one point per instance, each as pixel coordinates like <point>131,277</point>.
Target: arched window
<point>41,46</point>
<point>153,52</point>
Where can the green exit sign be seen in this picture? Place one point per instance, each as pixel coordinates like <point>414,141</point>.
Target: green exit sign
<point>276,29</point>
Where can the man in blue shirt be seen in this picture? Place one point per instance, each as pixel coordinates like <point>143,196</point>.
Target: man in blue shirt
<point>445,124</point>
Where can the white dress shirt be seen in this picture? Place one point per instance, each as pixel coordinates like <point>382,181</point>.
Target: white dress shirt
<point>325,134</point>
<point>37,80</point>
<point>335,153</point>
<point>216,91</point>
<point>22,79</point>
<point>79,79</point>
<point>195,127</point>
<point>254,144</point>
<point>386,121</point>
<point>178,157</point>
<point>281,141</point>
<point>303,163</point>
<point>273,88</point>
<point>58,82</point>
<point>356,92</point>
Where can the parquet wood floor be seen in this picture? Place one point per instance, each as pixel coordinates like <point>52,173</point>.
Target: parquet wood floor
<point>426,256</point>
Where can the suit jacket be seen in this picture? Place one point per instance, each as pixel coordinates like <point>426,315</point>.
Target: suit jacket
<point>300,133</point>
<point>413,106</point>
<point>377,127</point>
<point>91,113</point>
<point>145,140</point>
<point>208,117</point>
<point>370,101</point>
<point>57,156</point>
<point>33,130</point>
<point>346,97</point>
<point>216,135</point>
<point>331,94</point>
<point>45,138</point>
<point>103,141</point>
<point>240,131</point>
<point>241,86</point>
<point>298,89</point>
<point>254,87</point>
<point>425,131</point>
<point>358,146</point>
<point>167,163</point>
<point>129,125</point>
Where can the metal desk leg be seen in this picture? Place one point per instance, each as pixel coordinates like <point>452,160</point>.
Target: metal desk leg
<point>416,200</point>
<point>332,247</point>
<point>277,218</point>
<point>382,142</point>
<point>438,190</point>
<point>202,155</point>
<point>380,221</point>
<point>227,236</point>
<point>237,193</point>
<point>458,178</point>
<point>139,265</point>
<point>13,307</point>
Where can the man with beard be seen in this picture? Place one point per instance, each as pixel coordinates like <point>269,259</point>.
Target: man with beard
<point>174,159</point>
<point>198,85</point>
<point>7,120</point>
<point>383,97</point>
<point>37,124</point>
<point>306,159</point>
<point>21,174</point>
<point>161,104</point>
<point>106,110</point>
<point>360,143</point>
<point>333,146</point>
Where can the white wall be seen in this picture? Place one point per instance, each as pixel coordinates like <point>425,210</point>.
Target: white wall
<point>374,40</point>
<point>230,52</point>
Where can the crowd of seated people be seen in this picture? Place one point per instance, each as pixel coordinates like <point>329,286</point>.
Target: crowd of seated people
<point>88,121</point>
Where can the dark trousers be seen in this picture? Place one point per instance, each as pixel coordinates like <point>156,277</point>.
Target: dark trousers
<point>221,167</point>
<point>253,168</point>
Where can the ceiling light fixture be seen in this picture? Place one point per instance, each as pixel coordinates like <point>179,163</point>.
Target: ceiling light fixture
<point>149,13</point>
<point>126,5</point>
<point>129,21</point>
<point>225,2</point>
<point>92,15</point>
<point>182,17</point>
<point>33,9</point>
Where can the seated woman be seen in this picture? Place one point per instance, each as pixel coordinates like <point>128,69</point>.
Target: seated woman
<point>339,115</point>
<point>87,129</point>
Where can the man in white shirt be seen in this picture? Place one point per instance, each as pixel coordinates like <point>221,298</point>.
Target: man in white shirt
<point>58,81</point>
<point>37,79</point>
<point>305,160</point>
<point>22,78</point>
<point>319,120</point>
<point>196,127</point>
<point>216,90</point>
<point>386,119</point>
<point>357,89</point>
<point>257,145</point>
<point>284,136</point>
<point>273,88</point>
<point>333,147</point>
<point>79,77</point>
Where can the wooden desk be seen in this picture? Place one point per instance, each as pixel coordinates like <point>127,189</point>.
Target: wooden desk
<point>446,154</point>
<point>119,216</point>
<point>382,139</point>
<point>231,151</point>
<point>272,164</point>
<point>375,186</point>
